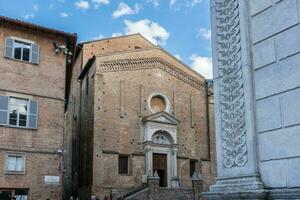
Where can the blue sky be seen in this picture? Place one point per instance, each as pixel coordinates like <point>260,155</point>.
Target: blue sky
<point>182,27</point>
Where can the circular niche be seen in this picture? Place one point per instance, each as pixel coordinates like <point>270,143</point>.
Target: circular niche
<point>158,103</point>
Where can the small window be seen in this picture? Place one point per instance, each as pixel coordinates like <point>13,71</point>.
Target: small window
<point>21,50</point>
<point>192,167</point>
<point>123,164</point>
<point>21,194</point>
<point>18,111</point>
<point>15,163</point>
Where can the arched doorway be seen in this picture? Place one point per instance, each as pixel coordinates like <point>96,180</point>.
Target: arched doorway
<point>160,145</point>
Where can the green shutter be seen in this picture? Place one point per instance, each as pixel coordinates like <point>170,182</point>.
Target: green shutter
<point>9,47</point>
<point>33,114</point>
<point>3,110</point>
<point>35,53</point>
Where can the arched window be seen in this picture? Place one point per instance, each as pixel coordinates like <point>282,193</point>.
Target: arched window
<point>162,137</point>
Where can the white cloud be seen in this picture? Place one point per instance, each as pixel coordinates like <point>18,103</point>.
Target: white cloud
<point>172,3</point>
<point>35,7</point>
<point>195,2</point>
<point>155,3</point>
<point>99,37</point>
<point>178,56</point>
<point>154,32</point>
<point>97,3</point>
<point>203,65</point>
<point>28,16</point>
<point>83,5</point>
<point>204,33</point>
<point>124,9</point>
<point>64,15</point>
<point>117,34</point>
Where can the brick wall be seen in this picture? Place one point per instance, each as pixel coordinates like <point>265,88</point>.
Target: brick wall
<point>44,83</point>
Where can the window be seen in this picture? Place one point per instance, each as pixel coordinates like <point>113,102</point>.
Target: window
<point>123,164</point>
<point>21,194</point>
<point>192,167</point>
<point>21,50</point>
<point>18,112</point>
<point>15,163</point>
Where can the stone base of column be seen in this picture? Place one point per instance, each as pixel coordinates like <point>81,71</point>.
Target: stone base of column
<point>284,193</point>
<point>236,188</point>
<point>174,182</point>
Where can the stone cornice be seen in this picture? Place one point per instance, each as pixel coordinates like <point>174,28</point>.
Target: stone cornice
<point>148,63</point>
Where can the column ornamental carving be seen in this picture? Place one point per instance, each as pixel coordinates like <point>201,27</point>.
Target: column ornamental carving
<point>231,84</point>
<point>237,169</point>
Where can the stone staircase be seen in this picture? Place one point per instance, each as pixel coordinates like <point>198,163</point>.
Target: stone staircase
<point>153,192</point>
<point>165,194</point>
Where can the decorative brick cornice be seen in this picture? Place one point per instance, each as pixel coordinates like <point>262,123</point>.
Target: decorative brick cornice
<point>148,63</point>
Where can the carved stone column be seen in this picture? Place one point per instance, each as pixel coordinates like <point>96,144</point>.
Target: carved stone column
<point>238,176</point>
<point>149,159</point>
<point>174,177</point>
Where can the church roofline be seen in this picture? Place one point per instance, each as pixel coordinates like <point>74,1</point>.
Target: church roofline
<point>148,49</point>
<point>142,49</point>
<point>117,37</point>
<point>178,60</point>
<point>147,63</point>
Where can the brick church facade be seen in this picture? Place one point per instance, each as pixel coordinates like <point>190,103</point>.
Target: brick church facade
<point>137,110</point>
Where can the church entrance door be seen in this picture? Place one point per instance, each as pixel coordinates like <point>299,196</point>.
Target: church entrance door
<point>160,165</point>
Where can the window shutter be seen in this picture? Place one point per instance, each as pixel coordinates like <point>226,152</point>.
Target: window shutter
<point>33,114</point>
<point>35,53</point>
<point>9,47</point>
<point>3,110</point>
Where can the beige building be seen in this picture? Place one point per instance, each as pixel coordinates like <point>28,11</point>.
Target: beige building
<point>137,109</point>
<point>33,82</point>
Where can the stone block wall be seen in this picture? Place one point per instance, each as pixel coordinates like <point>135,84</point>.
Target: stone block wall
<point>276,57</point>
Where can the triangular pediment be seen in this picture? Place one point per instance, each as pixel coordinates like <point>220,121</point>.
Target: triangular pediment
<point>107,65</point>
<point>161,117</point>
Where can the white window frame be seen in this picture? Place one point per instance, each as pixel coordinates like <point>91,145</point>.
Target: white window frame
<point>12,154</point>
<point>22,50</point>
<point>25,41</point>
<point>27,113</point>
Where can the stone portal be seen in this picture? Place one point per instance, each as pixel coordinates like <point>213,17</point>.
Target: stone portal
<point>160,139</point>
